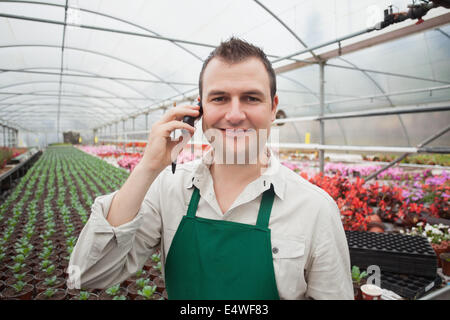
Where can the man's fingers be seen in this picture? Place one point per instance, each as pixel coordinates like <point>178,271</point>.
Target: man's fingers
<point>179,112</point>
<point>175,124</point>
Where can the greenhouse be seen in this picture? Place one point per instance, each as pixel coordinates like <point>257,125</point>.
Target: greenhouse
<point>331,117</point>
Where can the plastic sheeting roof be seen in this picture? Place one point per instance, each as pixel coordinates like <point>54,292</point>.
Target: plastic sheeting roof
<point>156,57</point>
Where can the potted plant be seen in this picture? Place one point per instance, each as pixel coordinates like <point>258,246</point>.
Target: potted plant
<point>358,279</point>
<point>140,274</point>
<point>139,284</point>
<point>50,282</point>
<point>52,294</point>
<point>148,293</point>
<point>445,262</point>
<point>85,295</point>
<point>19,290</point>
<point>113,293</point>
<point>155,271</point>
<point>25,277</point>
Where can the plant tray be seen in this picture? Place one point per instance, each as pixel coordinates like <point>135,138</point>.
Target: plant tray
<point>392,252</point>
<point>409,286</point>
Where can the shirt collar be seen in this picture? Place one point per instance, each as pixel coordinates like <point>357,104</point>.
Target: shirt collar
<point>273,175</point>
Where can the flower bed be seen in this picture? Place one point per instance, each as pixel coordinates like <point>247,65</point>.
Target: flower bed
<point>42,218</point>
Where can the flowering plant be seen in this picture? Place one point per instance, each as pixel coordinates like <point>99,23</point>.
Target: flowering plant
<point>435,233</point>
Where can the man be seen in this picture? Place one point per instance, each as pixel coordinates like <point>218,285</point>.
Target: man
<point>230,227</point>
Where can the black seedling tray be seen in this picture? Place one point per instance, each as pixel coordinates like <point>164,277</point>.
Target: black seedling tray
<point>392,252</point>
<point>408,286</point>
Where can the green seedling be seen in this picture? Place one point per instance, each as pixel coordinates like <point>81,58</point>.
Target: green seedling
<point>140,273</point>
<point>20,258</point>
<point>20,276</point>
<point>51,281</point>
<point>50,269</point>
<point>19,285</point>
<point>357,275</point>
<point>119,298</point>
<point>50,292</point>
<point>84,295</point>
<point>141,283</point>
<point>147,291</point>
<point>114,290</point>
<point>156,257</point>
<point>16,268</point>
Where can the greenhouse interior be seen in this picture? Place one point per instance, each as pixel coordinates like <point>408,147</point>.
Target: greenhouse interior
<point>92,91</point>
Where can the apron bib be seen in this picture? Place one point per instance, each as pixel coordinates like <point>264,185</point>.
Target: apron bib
<point>221,260</point>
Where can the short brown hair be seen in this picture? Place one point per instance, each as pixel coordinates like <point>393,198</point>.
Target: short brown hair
<point>236,50</point>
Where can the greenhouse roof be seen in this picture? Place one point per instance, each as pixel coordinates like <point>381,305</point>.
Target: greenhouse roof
<point>86,64</point>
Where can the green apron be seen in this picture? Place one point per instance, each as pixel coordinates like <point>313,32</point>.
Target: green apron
<point>222,260</point>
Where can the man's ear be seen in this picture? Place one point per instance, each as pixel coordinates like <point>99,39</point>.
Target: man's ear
<point>274,108</point>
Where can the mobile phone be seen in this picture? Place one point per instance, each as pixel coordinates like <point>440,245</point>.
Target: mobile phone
<point>190,121</point>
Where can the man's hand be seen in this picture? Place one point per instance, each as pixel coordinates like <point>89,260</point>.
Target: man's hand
<point>157,154</point>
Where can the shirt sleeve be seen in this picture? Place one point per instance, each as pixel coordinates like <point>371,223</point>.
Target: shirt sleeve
<point>105,255</point>
<point>329,273</point>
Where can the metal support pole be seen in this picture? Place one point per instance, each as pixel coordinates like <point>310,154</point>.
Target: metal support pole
<point>133,128</point>
<point>4,136</point>
<point>95,134</point>
<point>403,156</point>
<point>321,122</point>
<point>124,135</point>
<point>146,122</point>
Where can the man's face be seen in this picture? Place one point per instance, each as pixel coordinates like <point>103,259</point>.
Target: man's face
<point>237,105</point>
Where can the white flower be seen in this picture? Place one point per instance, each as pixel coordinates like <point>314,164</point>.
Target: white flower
<point>437,231</point>
<point>419,224</point>
<point>428,227</point>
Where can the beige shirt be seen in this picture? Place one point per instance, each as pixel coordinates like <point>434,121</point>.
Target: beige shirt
<point>309,247</point>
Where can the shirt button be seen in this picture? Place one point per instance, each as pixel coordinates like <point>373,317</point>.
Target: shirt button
<point>275,250</point>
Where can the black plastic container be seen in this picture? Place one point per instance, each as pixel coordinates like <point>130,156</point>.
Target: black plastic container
<point>408,286</point>
<point>392,252</point>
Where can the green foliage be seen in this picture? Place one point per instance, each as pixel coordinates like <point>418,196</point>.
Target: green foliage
<point>147,291</point>
<point>50,281</point>
<point>114,290</point>
<point>357,275</point>
<point>50,292</point>
<point>19,285</point>
<point>142,282</point>
<point>156,257</point>
<point>84,295</point>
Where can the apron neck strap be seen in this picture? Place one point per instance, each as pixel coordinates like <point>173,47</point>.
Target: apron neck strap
<point>193,204</point>
<point>265,207</point>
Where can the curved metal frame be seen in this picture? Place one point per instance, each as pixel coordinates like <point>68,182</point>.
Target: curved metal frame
<point>95,53</point>
<point>405,132</point>
<point>93,74</point>
<point>66,82</point>
<point>177,43</point>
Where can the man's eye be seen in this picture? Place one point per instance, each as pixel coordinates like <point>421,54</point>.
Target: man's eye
<point>252,99</point>
<point>218,99</point>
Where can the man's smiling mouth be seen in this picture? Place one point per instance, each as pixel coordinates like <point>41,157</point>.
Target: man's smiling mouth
<point>237,132</point>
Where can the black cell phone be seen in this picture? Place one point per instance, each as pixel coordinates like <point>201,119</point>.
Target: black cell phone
<point>190,120</point>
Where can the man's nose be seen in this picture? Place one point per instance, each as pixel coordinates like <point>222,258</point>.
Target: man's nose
<point>234,113</point>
